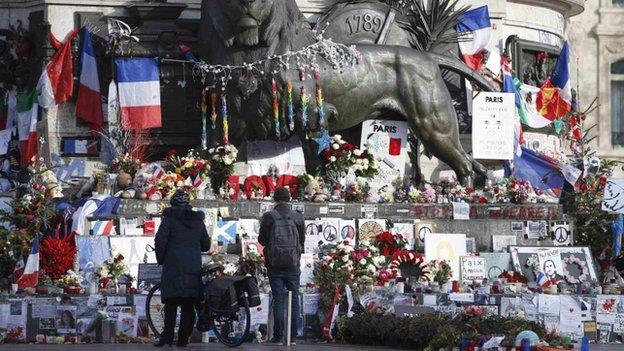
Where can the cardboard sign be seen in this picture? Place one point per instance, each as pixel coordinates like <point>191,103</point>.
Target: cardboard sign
<point>493,126</point>
<point>149,273</point>
<point>387,141</point>
<point>472,268</point>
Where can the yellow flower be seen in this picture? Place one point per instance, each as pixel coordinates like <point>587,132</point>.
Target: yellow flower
<point>178,170</point>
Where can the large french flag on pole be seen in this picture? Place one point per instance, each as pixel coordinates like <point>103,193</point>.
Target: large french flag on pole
<point>475,30</point>
<point>139,92</point>
<point>30,277</point>
<point>89,103</point>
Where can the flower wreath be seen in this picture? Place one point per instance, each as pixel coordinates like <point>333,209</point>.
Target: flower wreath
<point>407,257</point>
<point>582,265</point>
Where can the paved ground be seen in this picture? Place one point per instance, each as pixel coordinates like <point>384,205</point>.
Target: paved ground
<point>214,346</point>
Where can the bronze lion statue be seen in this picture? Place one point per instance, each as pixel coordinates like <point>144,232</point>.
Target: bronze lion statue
<point>390,82</point>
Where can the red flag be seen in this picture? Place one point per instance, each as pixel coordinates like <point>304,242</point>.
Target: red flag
<point>56,83</point>
<point>550,103</point>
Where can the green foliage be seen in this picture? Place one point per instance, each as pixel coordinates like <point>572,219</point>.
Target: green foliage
<point>432,331</point>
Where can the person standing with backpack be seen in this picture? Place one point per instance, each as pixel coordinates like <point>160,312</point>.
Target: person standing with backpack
<point>282,233</point>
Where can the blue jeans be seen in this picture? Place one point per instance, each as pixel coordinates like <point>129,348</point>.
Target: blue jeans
<point>282,279</point>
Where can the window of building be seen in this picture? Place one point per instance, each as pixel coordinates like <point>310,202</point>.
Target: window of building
<point>617,102</point>
<point>618,2</point>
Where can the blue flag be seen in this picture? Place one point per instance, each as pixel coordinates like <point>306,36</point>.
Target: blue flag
<point>542,172</point>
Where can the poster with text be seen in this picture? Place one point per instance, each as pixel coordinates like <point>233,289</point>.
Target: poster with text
<point>551,264</point>
<point>287,156</point>
<point>387,141</point>
<point>493,118</point>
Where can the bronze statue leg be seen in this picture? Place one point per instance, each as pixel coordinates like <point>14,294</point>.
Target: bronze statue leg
<point>430,114</point>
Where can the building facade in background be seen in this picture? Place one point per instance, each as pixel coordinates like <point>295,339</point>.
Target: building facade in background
<point>597,38</point>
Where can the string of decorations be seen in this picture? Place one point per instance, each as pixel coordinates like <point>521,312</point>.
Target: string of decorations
<point>204,115</point>
<point>224,116</point>
<point>290,105</point>
<point>275,107</point>
<point>336,54</point>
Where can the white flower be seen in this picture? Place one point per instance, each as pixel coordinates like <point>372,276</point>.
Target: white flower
<point>357,152</point>
<point>345,258</point>
<point>374,165</point>
<point>365,161</point>
<point>335,146</point>
<point>341,142</point>
<point>211,151</point>
<point>357,167</point>
<point>227,161</point>
<point>363,262</point>
<point>372,268</point>
<point>331,265</point>
<point>348,249</point>
<point>332,159</point>
<point>365,243</point>
<point>337,137</point>
<point>358,161</point>
<point>365,166</point>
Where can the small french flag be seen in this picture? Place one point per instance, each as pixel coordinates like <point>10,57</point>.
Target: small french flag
<point>106,228</point>
<point>30,277</point>
<point>475,30</point>
<point>139,92</point>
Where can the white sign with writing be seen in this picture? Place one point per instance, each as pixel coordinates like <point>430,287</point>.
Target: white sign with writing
<point>461,211</point>
<point>472,268</point>
<point>493,118</point>
<point>614,196</point>
<point>387,141</point>
<point>551,264</point>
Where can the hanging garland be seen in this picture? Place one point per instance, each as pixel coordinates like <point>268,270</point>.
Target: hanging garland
<point>336,54</point>
<point>582,266</point>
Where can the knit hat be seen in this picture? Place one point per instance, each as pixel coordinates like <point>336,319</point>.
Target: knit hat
<point>180,198</point>
<point>281,195</point>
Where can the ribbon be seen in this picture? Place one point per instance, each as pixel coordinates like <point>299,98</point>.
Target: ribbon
<point>204,114</point>
<point>224,116</point>
<point>304,107</point>
<point>349,301</point>
<point>291,106</point>
<point>332,314</point>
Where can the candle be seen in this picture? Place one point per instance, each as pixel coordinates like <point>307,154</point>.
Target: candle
<point>204,113</point>
<point>291,106</point>
<point>213,115</point>
<point>224,116</point>
<point>275,107</point>
<point>304,107</point>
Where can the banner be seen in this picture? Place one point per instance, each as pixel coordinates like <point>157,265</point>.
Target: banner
<point>387,141</point>
<point>493,126</point>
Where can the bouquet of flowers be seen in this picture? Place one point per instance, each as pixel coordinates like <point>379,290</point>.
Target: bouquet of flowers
<point>353,266</point>
<point>111,270</point>
<point>190,167</point>
<point>222,160</point>
<point>126,163</point>
<point>341,155</point>
<point>44,180</point>
<point>389,243</point>
<point>71,282</point>
<point>428,195</point>
<point>441,271</point>
<point>513,277</point>
<point>520,191</point>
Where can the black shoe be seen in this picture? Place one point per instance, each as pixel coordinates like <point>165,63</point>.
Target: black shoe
<point>162,343</point>
<point>181,344</point>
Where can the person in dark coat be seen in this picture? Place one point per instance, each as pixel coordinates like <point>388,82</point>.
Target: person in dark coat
<point>180,240</point>
<point>282,279</point>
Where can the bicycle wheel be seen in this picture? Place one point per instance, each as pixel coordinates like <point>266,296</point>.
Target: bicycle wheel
<point>155,311</point>
<point>233,329</point>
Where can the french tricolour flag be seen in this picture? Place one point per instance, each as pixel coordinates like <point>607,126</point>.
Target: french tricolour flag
<point>476,29</point>
<point>30,277</point>
<point>139,92</point>
<point>89,103</point>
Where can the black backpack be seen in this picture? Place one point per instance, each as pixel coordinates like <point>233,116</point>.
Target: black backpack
<point>283,250</point>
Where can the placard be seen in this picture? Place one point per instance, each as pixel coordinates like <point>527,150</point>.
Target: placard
<point>149,273</point>
<point>501,242</point>
<point>449,247</point>
<point>496,263</point>
<point>472,268</point>
<point>387,141</point>
<point>493,119</point>
<point>369,228</point>
<point>550,264</point>
<point>613,200</point>
<point>461,211</point>
<point>66,319</point>
<point>136,250</point>
<point>347,230</point>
